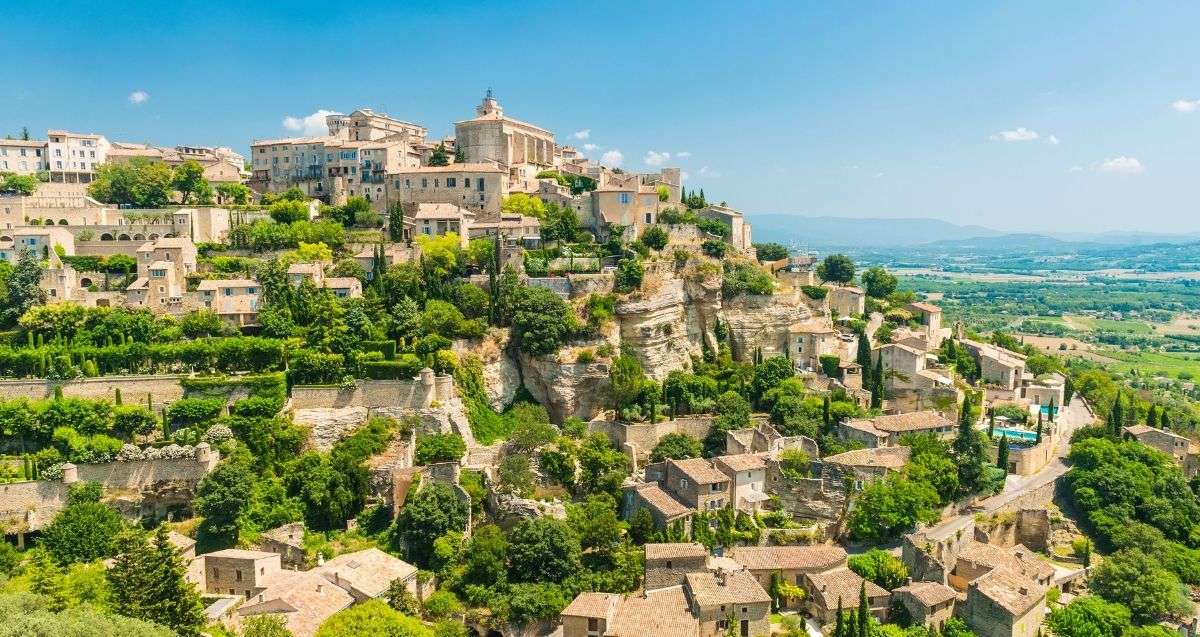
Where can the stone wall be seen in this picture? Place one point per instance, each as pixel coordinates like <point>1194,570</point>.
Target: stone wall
<point>637,439</point>
<point>139,487</point>
<point>163,388</point>
<point>373,394</point>
<point>583,284</point>
<point>821,500</point>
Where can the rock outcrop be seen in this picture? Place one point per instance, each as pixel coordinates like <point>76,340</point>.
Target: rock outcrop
<point>565,389</point>
<point>327,425</point>
<point>762,321</point>
<point>655,328</point>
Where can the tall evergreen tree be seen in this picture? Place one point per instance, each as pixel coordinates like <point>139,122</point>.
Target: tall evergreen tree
<point>839,627</point>
<point>991,422</point>
<point>439,156</point>
<point>826,418</point>
<point>1164,422</point>
<point>24,287</point>
<point>968,449</point>
<point>129,578</point>
<point>1002,453</point>
<point>174,600</point>
<point>1053,408</point>
<point>864,611</point>
<point>877,385</point>
<point>47,581</point>
<point>396,222</point>
<point>460,156</point>
<point>1039,432</point>
<point>1116,419</point>
<point>1152,415</point>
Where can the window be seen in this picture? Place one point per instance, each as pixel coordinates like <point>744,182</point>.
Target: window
<point>216,574</point>
<point>624,198</point>
<point>424,182</point>
<point>648,218</point>
<point>451,182</point>
<point>479,185</point>
<point>668,563</point>
<point>466,182</point>
<point>238,574</point>
<point>683,483</point>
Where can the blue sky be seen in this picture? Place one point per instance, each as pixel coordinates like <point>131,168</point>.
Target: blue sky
<point>1016,115</point>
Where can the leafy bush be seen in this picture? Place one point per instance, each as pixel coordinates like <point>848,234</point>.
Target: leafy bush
<point>448,447</point>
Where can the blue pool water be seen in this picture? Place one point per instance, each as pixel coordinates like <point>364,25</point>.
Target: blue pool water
<point>1015,434</point>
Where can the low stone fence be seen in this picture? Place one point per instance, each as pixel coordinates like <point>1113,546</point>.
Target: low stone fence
<point>162,388</point>
<point>418,393</point>
<point>29,506</point>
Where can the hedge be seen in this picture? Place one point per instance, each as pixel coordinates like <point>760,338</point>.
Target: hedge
<point>229,354</point>
<point>406,368</point>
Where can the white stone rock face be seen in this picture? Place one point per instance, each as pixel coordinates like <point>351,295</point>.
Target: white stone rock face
<point>762,321</point>
<point>565,389</point>
<point>327,425</point>
<point>654,328</point>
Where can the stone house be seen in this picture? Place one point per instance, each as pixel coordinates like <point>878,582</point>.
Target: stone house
<point>1185,452</point>
<point>367,574</point>
<point>438,219</point>
<point>808,341</point>
<point>476,186</point>
<point>697,483</point>
<point>304,599</point>
<point>791,562</point>
<point>340,286</point>
<point>663,507</point>
<point>748,479</point>
<point>825,589</point>
<point>667,564</point>
<point>886,431</point>
<point>997,366</point>
<point>288,542</point>
<point>846,301</point>
<point>720,598</point>
<point>234,300</point>
<point>930,317</point>
<point>908,368</point>
<point>1002,603</point>
<point>739,228</point>
<point>239,572</point>
<point>870,464</point>
<point>666,612</point>
<point>929,604</point>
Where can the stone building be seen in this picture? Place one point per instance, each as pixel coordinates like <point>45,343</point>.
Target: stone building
<point>1001,603</point>
<point>520,148</point>
<point>288,542</point>
<point>1185,452</point>
<point>239,572</point>
<point>668,564</point>
<point>697,483</point>
<point>824,590</point>
<point>808,341</point>
<point>367,574</point>
<point>870,464</point>
<point>303,599</point>
<point>929,604</point>
<point>886,431</point>
<point>723,599</point>
<point>739,228</point>
<point>997,366</point>
<point>23,156</point>
<point>791,563</point>
<point>477,186</point>
<point>846,300</point>
<point>234,300</point>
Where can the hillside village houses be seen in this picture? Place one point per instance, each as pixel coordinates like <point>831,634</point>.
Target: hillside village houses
<point>688,590</point>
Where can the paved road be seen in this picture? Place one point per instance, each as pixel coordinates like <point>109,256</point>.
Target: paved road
<point>1072,417</point>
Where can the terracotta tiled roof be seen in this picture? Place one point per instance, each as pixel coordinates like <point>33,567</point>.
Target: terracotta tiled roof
<point>1138,430</point>
<point>675,550</point>
<point>742,461</point>
<point>925,307</point>
<point>811,326</point>
<point>181,541</point>
<point>241,554</point>
<point>736,587</point>
<point>215,284</point>
<point>928,593</point>
<point>367,572</point>
<point>599,605</point>
<point>889,457</point>
<point>663,613</point>
<point>806,558</point>
<point>699,470</point>
<point>1009,590</point>
<point>1017,559</point>
<point>662,502</point>
<point>291,534</point>
<point>912,421</point>
<point>841,583</point>
<point>303,598</point>
<point>452,168</point>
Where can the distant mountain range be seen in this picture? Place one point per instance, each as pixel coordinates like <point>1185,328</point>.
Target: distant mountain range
<point>800,232</point>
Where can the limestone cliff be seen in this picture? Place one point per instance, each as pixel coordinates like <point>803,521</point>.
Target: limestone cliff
<point>565,389</point>
<point>762,321</point>
<point>654,327</point>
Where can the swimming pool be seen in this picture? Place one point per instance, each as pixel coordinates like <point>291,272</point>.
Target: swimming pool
<point>1015,434</point>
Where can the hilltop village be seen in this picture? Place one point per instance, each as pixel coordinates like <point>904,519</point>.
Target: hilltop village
<point>376,383</point>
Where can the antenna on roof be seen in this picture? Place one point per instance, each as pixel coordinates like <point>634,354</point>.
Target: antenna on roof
<point>489,93</point>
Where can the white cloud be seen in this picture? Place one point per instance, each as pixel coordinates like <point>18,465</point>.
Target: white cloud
<point>590,147</point>
<point>877,175</point>
<point>1122,164</point>
<point>612,158</point>
<point>655,159</point>
<point>582,134</point>
<point>1052,140</point>
<point>682,154</point>
<point>1022,134</point>
<point>705,171</point>
<point>310,125</point>
<point>1186,106</point>
<point>1075,169</point>
<point>137,98</point>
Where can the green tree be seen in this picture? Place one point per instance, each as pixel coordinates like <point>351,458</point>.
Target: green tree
<point>234,193</point>
<point>396,222</point>
<point>886,508</point>
<point>969,448</point>
<point>447,447</point>
<point>542,321</point>
<point>542,550</point>
<point>523,204</point>
<point>139,182</point>
<point>32,616</point>
<point>675,446</point>
<point>1002,451</point>
<point>879,283</point>
<point>22,185</point>
<point>372,619</point>
<point>174,602</point>
<point>24,289</point>
<point>1090,617</point>
<point>836,268</point>
<point>1140,583</point>
<point>288,211</point>
<point>265,626</point>
<point>221,500</point>
<point>596,524</point>
<point>655,237</point>
<point>880,567</point>
<point>485,559</point>
<point>83,532</point>
<point>432,512</point>
<point>187,179</point>
<point>439,156</point>
<point>47,580</point>
<point>768,252</point>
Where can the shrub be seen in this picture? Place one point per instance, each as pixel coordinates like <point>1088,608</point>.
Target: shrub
<point>655,237</point>
<point>714,248</point>
<point>814,292</point>
<point>448,447</point>
<point>585,356</point>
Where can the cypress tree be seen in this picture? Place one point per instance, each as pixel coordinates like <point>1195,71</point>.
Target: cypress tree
<point>839,627</point>
<point>1152,415</point>
<point>1116,417</point>
<point>129,578</point>
<point>825,416</point>
<point>175,602</point>
<point>1039,432</point>
<point>1002,453</point>
<point>47,581</point>
<point>991,422</point>
<point>864,612</point>
<point>117,396</point>
<point>1053,408</point>
<point>1164,422</point>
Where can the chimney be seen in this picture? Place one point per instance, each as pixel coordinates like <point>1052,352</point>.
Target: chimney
<point>721,577</point>
<point>319,587</point>
<point>1023,590</point>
